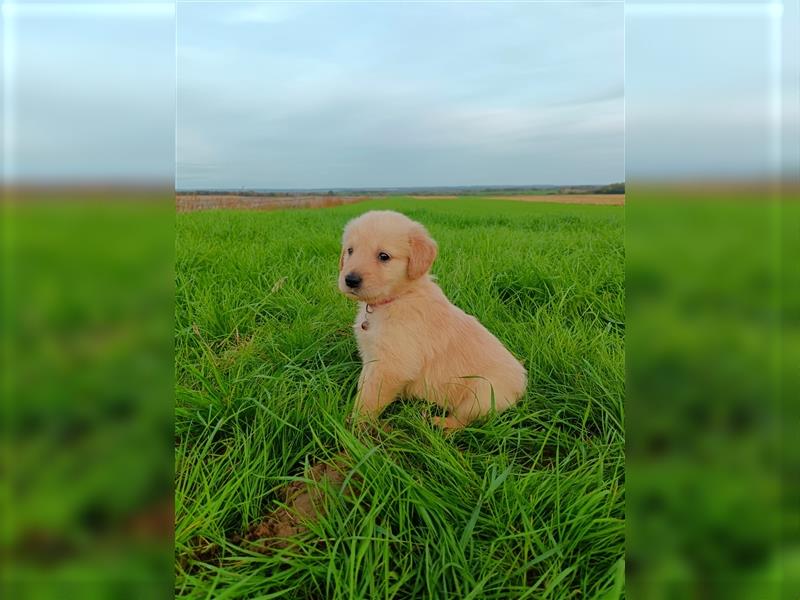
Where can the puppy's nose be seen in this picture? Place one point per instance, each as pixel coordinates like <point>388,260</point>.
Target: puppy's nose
<point>353,280</point>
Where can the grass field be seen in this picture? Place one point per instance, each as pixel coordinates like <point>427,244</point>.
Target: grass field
<point>713,345</point>
<point>527,504</point>
<point>86,412</point>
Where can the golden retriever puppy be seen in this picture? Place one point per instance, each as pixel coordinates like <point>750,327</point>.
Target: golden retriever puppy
<point>413,342</point>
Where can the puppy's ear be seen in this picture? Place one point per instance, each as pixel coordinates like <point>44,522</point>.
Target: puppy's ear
<point>341,260</point>
<point>423,252</point>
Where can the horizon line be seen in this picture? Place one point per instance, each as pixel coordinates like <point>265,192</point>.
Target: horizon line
<point>395,187</point>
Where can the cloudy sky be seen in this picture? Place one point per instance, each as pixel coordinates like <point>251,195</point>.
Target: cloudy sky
<point>353,95</point>
<point>349,94</point>
<point>711,89</point>
<point>88,91</point>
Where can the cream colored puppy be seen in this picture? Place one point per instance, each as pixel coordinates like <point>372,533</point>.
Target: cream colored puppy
<point>412,340</point>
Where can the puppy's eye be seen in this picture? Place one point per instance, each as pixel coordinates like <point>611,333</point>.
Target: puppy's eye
<point>383,257</point>
<point>349,250</point>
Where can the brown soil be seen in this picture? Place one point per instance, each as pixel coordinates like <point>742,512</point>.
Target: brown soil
<point>303,500</point>
<point>300,502</point>
<point>193,202</point>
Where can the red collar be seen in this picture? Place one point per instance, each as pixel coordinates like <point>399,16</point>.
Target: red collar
<point>371,305</point>
<point>383,302</point>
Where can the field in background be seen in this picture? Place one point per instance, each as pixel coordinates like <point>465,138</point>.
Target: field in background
<point>193,202</point>
<point>713,345</point>
<point>188,202</point>
<point>528,504</point>
<point>86,410</point>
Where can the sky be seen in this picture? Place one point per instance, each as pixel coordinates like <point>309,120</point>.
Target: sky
<point>391,95</point>
<point>353,94</point>
<point>88,91</point>
<point>712,89</point>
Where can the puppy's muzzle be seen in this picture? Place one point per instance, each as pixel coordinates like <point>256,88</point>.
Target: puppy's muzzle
<point>353,281</point>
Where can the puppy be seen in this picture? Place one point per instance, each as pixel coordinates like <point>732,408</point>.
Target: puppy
<point>413,342</point>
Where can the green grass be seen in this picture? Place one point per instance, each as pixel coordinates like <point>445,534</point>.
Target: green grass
<point>713,344</point>
<point>526,504</point>
<point>86,413</point>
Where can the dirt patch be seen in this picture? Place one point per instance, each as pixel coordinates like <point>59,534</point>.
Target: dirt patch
<point>299,503</point>
<point>193,202</point>
<point>303,501</point>
<point>202,551</point>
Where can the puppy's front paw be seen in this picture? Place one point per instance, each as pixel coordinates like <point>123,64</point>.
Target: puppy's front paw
<point>449,424</point>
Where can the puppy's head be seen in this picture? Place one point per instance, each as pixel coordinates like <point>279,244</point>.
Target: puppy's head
<point>383,254</point>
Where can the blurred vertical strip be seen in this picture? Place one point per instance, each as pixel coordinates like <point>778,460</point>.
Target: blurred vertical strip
<point>87,299</point>
<point>713,309</point>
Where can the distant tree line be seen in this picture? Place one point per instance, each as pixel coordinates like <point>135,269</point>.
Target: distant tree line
<point>613,188</point>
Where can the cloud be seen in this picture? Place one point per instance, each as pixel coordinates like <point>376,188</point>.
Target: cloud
<point>369,95</point>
